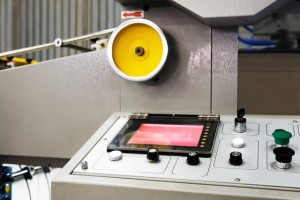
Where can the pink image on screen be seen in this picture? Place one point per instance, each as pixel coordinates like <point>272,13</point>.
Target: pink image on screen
<point>167,134</point>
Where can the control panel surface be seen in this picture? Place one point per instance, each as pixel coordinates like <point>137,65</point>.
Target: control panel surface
<point>258,152</point>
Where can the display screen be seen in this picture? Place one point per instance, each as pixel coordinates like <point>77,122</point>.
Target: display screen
<point>167,135</point>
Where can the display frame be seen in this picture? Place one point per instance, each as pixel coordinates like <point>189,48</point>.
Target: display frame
<point>203,148</point>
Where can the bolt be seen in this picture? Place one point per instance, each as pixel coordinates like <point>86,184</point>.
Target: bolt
<point>58,42</point>
<point>237,180</point>
<point>84,165</point>
<point>139,51</point>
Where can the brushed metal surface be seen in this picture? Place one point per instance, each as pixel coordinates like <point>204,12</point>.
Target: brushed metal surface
<point>224,70</point>
<point>50,109</point>
<point>185,81</point>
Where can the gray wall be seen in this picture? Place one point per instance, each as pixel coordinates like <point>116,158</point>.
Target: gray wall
<point>27,23</point>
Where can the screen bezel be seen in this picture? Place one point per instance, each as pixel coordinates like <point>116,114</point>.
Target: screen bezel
<point>120,141</point>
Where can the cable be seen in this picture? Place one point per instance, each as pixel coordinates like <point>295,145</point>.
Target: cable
<point>48,186</point>
<point>251,42</point>
<point>45,173</point>
<point>248,29</point>
<point>256,42</point>
<point>29,192</point>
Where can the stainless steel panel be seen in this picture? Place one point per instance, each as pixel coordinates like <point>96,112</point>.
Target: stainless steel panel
<point>184,83</point>
<point>50,109</point>
<point>224,70</point>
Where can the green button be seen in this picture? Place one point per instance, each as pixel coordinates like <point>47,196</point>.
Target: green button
<point>282,137</point>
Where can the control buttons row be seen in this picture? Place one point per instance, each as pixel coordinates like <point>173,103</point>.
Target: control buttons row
<point>283,154</point>
<point>152,157</point>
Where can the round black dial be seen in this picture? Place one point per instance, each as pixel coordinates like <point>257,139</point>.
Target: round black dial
<point>193,158</point>
<point>152,155</point>
<point>236,158</point>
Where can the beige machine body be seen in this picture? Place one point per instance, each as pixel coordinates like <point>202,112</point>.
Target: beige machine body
<point>50,109</point>
<point>60,103</point>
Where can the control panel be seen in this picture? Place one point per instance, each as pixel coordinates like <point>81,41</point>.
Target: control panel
<point>244,150</point>
<point>5,183</point>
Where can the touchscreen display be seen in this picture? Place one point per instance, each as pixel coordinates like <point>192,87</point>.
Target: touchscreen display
<point>167,134</point>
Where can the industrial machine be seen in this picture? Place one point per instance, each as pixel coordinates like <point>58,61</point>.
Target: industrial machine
<point>140,156</point>
<point>170,72</point>
<point>152,152</point>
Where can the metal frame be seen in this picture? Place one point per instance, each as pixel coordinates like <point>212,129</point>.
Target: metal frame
<point>59,43</point>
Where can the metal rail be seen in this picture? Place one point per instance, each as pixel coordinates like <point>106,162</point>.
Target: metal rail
<point>65,42</point>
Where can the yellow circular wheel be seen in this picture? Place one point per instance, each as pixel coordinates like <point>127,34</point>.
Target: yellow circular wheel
<point>137,50</point>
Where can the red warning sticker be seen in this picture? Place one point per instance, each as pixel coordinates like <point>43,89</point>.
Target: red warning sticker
<point>132,14</point>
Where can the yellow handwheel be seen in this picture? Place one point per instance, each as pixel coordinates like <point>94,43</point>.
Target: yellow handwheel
<point>137,50</point>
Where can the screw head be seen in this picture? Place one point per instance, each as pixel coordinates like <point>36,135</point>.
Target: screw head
<point>58,42</point>
<point>139,51</point>
<point>84,165</point>
<point>237,180</point>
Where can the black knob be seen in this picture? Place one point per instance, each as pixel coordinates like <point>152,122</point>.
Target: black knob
<point>283,154</point>
<point>236,158</point>
<point>240,120</point>
<point>7,178</point>
<point>193,158</point>
<point>241,112</point>
<point>152,155</point>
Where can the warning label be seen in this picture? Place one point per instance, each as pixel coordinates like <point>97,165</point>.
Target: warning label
<point>132,14</point>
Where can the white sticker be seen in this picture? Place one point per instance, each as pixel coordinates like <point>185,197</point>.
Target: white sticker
<point>132,14</point>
